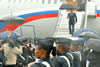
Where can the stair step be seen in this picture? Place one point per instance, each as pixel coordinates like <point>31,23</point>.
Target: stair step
<point>65,30</point>
<point>62,28</point>
<point>65,36</point>
<point>63,33</point>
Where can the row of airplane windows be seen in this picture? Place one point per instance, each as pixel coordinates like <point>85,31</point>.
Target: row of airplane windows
<point>35,1</point>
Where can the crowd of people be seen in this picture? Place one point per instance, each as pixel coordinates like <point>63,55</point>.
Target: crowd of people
<point>48,52</point>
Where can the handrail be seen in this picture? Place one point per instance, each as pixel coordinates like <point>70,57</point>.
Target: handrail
<point>95,9</point>
<point>85,22</point>
<point>58,22</point>
<point>82,22</point>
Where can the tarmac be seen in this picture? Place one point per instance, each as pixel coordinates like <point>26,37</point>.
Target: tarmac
<point>94,23</point>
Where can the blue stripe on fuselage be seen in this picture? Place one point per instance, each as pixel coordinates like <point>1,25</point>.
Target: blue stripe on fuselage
<point>2,25</point>
<point>98,11</point>
<point>39,13</point>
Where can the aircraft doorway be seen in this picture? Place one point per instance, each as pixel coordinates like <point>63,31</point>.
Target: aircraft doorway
<point>28,30</point>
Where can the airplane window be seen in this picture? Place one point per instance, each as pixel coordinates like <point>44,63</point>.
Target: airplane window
<point>31,0</point>
<point>61,0</point>
<point>9,0</point>
<point>49,1</point>
<point>55,1</point>
<point>43,1</point>
<point>37,1</point>
<point>26,1</point>
<point>20,1</point>
<point>14,1</point>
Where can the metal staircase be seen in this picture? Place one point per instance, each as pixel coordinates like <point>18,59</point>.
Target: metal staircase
<point>62,29</point>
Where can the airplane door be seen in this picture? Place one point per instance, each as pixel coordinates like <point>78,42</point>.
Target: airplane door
<point>28,30</point>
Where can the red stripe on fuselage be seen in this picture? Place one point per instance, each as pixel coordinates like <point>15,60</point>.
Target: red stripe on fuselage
<point>98,15</point>
<point>12,27</point>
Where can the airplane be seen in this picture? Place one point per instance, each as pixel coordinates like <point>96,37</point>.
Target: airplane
<point>41,16</point>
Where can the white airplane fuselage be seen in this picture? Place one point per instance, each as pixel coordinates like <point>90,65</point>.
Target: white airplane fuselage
<point>41,16</point>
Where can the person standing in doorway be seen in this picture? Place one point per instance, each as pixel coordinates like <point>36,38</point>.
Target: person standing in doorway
<point>72,20</point>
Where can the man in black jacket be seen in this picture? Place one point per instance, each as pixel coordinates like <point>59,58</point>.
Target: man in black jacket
<point>72,20</point>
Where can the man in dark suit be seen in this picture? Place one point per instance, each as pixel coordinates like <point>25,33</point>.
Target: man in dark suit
<point>72,20</point>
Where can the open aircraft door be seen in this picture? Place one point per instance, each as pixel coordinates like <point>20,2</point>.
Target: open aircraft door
<point>28,30</point>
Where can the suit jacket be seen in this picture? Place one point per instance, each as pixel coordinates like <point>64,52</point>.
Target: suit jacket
<point>72,18</point>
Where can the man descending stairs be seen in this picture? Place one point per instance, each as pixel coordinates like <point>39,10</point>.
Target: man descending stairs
<point>62,29</point>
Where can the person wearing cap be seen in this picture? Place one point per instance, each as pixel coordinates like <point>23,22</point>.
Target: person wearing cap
<point>43,49</point>
<point>78,53</point>
<point>93,56</point>
<point>62,48</point>
<point>76,45</point>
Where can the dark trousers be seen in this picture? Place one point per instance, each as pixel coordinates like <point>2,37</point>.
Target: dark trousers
<point>10,66</point>
<point>1,65</point>
<point>71,28</point>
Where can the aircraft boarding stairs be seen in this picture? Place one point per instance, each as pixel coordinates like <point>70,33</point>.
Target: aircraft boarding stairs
<point>62,29</point>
